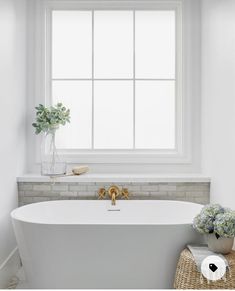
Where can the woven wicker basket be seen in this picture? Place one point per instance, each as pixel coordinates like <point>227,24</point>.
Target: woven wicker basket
<point>188,277</point>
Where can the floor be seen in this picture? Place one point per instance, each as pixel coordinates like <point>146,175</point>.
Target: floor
<point>18,281</point>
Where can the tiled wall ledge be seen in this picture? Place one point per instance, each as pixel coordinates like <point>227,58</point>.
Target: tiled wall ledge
<point>116,178</point>
<point>184,188</point>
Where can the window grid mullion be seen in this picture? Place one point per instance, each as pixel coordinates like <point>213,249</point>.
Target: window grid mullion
<point>92,81</point>
<point>133,79</point>
<point>111,79</point>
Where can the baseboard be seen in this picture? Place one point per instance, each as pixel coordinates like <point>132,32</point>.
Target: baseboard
<point>9,268</point>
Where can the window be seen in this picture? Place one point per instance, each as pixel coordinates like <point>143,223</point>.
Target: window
<point>116,69</point>
<point>120,67</point>
<point>129,71</point>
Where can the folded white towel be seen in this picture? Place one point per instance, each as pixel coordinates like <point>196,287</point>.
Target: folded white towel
<point>200,252</point>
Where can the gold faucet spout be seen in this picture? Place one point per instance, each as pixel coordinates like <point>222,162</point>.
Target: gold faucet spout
<point>114,192</point>
<point>113,198</point>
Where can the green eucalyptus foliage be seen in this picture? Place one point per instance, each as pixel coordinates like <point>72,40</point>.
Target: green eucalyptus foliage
<point>49,118</point>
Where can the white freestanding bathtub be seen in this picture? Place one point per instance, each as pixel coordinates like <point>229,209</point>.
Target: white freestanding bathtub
<point>91,244</point>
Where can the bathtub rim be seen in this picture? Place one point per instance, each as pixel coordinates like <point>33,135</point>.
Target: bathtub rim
<point>14,216</point>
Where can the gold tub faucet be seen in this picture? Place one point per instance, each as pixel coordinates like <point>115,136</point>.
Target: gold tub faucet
<point>113,192</point>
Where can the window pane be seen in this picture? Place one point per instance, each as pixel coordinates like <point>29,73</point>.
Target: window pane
<point>155,114</point>
<point>77,96</point>
<point>155,44</point>
<point>71,44</point>
<point>113,119</point>
<point>113,44</point>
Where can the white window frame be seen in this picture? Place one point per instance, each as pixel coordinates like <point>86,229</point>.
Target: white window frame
<point>183,154</point>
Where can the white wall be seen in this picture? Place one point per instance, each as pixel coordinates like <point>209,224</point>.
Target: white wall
<point>12,118</point>
<point>218,98</point>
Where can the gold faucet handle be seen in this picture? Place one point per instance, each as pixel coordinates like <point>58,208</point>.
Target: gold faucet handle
<point>101,193</point>
<point>125,193</point>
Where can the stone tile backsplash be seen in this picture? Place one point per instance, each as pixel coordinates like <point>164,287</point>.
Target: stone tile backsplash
<point>30,192</point>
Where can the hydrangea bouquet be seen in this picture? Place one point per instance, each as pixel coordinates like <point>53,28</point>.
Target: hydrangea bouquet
<point>224,224</point>
<point>215,219</point>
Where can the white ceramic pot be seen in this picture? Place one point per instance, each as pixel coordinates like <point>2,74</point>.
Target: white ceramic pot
<point>222,245</point>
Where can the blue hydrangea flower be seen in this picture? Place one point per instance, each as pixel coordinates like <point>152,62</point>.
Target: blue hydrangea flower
<point>204,221</point>
<point>224,224</point>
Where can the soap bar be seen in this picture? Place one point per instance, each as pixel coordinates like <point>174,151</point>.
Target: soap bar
<point>80,170</point>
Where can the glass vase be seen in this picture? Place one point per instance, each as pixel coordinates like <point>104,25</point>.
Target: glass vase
<point>51,164</point>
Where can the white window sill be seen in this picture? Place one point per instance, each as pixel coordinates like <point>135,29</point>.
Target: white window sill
<point>117,178</point>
